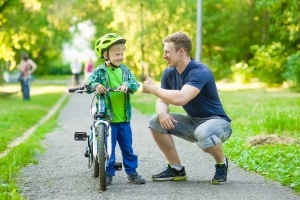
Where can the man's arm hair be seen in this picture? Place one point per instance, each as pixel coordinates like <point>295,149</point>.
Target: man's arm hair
<point>176,97</point>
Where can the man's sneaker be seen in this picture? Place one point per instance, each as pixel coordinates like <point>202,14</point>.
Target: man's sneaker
<point>170,174</point>
<point>108,179</point>
<point>221,173</point>
<point>135,178</point>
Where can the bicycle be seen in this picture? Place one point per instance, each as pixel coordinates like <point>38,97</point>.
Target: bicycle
<point>98,141</point>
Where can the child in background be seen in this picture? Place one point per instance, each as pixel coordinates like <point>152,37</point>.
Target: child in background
<point>88,68</point>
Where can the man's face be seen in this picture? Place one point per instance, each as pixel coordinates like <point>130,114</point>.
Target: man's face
<point>170,54</point>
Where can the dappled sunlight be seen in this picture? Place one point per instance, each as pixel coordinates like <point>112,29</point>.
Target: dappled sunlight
<point>48,89</point>
<point>238,86</point>
<point>35,90</point>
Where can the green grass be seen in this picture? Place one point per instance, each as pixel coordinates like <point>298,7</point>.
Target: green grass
<point>22,115</point>
<point>253,113</point>
<point>20,157</point>
<point>16,117</point>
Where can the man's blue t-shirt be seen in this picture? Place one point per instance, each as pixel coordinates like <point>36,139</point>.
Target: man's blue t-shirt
<point>207,103</point>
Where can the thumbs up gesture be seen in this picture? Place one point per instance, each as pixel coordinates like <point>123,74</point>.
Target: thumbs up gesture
<point>148,84</point>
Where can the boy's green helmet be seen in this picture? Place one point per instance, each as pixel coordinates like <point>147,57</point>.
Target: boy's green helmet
<point>106,41</point>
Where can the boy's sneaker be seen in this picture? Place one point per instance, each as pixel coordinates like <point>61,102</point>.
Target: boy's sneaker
<point>170,174</point>
<point>135,178</point>
<point>221,173</point>
<point>108,179</point>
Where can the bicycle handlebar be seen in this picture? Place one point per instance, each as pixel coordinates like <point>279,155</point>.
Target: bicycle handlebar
<point>86,88</point>
<point>80,89</point>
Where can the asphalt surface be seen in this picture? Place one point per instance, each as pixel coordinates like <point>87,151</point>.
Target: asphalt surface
<point>62,172</point>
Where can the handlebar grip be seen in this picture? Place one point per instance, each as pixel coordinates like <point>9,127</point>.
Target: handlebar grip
<point>71,90</point>
<point>81,88</point>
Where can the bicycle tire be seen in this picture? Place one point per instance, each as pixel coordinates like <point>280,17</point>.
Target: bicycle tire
<point>95,164</point>
<point>101,156</point>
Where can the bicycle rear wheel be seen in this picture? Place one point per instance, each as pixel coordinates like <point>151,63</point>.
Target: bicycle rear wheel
<point>102,156</point>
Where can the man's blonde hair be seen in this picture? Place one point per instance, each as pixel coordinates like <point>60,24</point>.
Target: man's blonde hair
<point>180,40</point>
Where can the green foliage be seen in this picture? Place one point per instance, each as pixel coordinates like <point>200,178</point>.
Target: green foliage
<point>233,32</point>
<point>242,73</point>
<point>292,72</point>
<point>276,162</point>
<point>267,63</point>
<point>284,18</point>
<point>283,24</point>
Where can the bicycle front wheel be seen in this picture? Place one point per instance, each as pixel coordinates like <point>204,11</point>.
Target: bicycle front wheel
<point>102,156</point>
<point>94,163</point>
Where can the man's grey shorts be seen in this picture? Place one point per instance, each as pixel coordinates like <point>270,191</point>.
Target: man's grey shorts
<point>205,132</point>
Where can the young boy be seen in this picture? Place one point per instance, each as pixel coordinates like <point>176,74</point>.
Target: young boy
<point>113,74</point>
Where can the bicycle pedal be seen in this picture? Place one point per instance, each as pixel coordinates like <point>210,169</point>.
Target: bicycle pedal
<point>86,154</point>
<point>118,166</point>
<point>80,136</point>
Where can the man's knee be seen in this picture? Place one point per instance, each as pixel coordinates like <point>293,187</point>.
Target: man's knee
<point>153,123</point>
<point>205,138</point>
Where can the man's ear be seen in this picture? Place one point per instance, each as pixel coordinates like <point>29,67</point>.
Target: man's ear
<point>181,51</point>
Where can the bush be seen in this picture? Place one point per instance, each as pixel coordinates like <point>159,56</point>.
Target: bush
<point>268,63</point>
<point>292,73</point>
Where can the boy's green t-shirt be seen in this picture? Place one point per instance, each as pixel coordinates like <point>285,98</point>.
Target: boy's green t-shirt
<point>117,98</point>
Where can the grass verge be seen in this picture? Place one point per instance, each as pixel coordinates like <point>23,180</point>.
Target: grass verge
<point>18,116</point>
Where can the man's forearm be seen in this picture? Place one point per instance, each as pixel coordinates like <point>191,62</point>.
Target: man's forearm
<point>169,96</point>
<point>161,107</point>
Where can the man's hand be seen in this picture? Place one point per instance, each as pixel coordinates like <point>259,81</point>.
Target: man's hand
<point>148,84</point>
<point>166,121</point>
<point>100,89</point>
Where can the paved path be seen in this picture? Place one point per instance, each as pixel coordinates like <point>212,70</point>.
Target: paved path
<point>62,172</point>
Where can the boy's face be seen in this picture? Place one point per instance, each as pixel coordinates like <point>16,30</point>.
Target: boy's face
<point>116,54</point>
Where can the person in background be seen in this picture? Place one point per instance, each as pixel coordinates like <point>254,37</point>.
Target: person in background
<point>76,68</point>
<point>26,68</point>
<point>113,74</point>
<point>189,84</point>
<point>88,68</point>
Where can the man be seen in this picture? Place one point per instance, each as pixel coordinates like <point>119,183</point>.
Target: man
<point>189,84</point>
<point>26,68</point>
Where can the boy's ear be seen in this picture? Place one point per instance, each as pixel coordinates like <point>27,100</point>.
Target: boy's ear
<point>105,55</point>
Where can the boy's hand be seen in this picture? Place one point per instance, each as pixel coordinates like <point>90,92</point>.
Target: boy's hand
<point>100,89</point>
<point>123,88</point>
